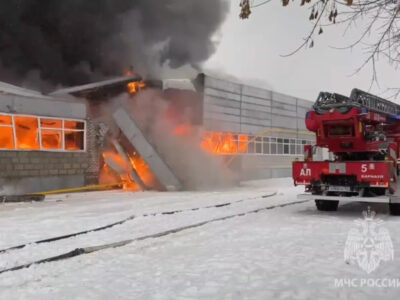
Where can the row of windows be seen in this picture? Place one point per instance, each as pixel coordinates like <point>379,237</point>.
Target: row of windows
<point>19,132</point>
<point>273,146</point>
<point>230,143</point>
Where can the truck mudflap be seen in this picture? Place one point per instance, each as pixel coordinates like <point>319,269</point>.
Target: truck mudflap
<point>377,199</point>
<point>374,174</point>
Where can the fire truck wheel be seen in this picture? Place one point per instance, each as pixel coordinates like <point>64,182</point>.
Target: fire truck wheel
<point>394,209</point>
<point>325,205</point>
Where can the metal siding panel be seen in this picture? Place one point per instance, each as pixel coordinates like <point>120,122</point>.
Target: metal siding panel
<point>301,124</point>
<point>221,102</point>
<point>252,121</point>
<point>258,101</point>
<point>283,98</point>
<point>222,94</point>
<point>221,109</point>
<point>284,122</point>
<point>256,114</point>
<point>281,105</point>
<point>256,107</point>
<point>301,112</point>
<point>256,92</point>
<point>222,85</point>
<point>282,112</point>
<point>222,117</point>
<point>304,103</point>
<point>252,129</point>
<point>218,125</point>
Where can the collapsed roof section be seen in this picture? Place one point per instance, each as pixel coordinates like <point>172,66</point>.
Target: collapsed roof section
<point>98,90</point>
<point>137,139</point>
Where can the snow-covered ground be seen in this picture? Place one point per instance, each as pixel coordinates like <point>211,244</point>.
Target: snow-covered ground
<point>291,252</point>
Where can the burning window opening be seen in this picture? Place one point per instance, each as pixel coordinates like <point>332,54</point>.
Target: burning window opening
<point>74,140</point>
<point>35,133</point>
<point>27,133</point>
<point>224,143</point>
<point>51,139</point>
<point>6,133</point>
<point>6,138</point>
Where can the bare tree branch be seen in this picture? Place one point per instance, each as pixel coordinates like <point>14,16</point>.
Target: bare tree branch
<point>380,20</point>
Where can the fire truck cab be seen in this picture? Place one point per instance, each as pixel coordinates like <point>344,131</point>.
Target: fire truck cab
<point>362,133</point>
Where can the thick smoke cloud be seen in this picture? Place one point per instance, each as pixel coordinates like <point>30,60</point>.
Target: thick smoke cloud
<point>71,42</point>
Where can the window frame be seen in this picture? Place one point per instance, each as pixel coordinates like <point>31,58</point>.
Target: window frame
<point>273,144</point>
<point>39,118</point>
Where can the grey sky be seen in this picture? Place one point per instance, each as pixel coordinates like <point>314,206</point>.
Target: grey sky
<point>250,51</point>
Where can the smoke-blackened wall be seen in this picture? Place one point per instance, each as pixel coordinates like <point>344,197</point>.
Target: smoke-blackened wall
<point>77,41</point>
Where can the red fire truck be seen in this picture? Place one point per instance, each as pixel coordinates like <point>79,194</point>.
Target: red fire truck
<point>362,135</point>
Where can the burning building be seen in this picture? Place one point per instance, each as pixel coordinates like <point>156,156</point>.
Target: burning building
<point>264,129</point>
<point>172,134</point>
<point>46,143</point>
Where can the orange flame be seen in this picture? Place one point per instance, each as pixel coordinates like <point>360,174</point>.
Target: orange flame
<point>183,130</point>
<point>224,143</point>
<point>142,169</point>
<point>135,86</point>
<point>119,170</point>
<point>51,134</point>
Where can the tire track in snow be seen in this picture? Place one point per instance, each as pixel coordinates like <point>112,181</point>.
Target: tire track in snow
<point>80,251</point>
<point>130,218</point>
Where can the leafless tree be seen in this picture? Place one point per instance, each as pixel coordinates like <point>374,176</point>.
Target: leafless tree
<point>379,20</point>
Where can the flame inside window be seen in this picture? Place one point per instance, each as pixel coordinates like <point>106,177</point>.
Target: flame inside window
<point>74,125</point>
<point>24,133</point>
<point>74,140</point>
<point>27,133</point>
<point>50,123</point>
<point>224,143</point>
<point>51,139</point>
<point>6,133</point>
<point>6,138</point>
<point>5,120</point>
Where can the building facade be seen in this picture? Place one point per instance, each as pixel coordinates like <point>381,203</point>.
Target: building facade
<point>45,143</point>
<point>270,123</point>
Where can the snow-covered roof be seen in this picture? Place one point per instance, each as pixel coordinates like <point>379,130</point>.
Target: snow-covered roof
<point>180,84</point>
<point>6,88</point>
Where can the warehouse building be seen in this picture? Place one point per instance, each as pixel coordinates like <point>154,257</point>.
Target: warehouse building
<point>50,142</point>
<point>271,124</point>
<point>45,143</point>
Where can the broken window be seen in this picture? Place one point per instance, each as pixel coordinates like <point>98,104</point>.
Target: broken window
<point>74,140</point>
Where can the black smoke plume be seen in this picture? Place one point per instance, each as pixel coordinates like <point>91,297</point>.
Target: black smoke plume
<point>71,42</point>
